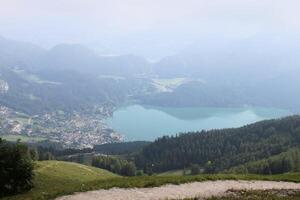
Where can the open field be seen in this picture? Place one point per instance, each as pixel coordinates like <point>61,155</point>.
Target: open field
<point>54,179</point>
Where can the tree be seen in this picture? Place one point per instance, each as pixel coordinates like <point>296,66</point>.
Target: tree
<point>49,156</point>
<point>140,173</point>
<point>195,169</point>
<point>16,168</point>
<point>209,167</point>
<point>34,155</point>
<point>287,164</point>
<point>129,169</point>
<point>115,165</point>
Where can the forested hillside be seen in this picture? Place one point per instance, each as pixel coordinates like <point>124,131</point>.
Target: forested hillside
<point>120,148</point>
<point>288,161</point>
<point>218,150</point>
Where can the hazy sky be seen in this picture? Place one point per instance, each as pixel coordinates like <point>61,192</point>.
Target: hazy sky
<point>47,22</point>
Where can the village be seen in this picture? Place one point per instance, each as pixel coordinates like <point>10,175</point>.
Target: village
<point>75,130</point>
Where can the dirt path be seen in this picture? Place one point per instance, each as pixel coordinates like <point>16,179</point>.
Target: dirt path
<point>198,189</point>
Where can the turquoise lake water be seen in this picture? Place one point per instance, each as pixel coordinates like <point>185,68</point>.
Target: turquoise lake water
<point>137,122</point>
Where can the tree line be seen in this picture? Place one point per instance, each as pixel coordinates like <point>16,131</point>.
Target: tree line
<point>285,162</point>
<point>120,148</point>
<point>115,165</point>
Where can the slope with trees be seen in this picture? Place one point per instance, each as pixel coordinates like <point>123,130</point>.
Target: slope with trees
<point>218,150</point>
<point>288,161</point>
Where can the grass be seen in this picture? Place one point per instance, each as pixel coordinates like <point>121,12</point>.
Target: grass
<point>174,173</point>
<point>54,178</point>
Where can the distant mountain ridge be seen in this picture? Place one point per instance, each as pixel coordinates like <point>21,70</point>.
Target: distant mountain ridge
<point>224,75</point>
<point>67,77</point>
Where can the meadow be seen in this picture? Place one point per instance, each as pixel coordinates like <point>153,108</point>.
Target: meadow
<point>56,178</point>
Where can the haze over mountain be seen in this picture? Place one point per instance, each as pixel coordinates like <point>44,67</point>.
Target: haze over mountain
<point>83,60</point>
<point>217,73</point>
<point>130,27</point>
<point>157,89</point>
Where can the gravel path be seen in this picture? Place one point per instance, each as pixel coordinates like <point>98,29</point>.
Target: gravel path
<point>197,189</point>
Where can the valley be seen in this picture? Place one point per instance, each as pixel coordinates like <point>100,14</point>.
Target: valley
<point>71,95</point>
<point>150,100</point>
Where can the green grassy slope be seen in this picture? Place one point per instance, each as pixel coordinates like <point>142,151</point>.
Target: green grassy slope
<point>53,178</point>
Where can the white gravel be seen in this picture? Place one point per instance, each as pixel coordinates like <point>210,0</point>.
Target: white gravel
<point>197,189</point>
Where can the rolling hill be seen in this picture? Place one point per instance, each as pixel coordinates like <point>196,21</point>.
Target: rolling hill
<point>56,177</point>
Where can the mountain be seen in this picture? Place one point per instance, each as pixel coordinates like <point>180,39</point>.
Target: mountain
<point>258,71</point>
<point>219,150</point>
<point>65,93</point>
<point>70,89</point>
<point>66,77</point>
<point>225,59</point>
<point>80,58</point>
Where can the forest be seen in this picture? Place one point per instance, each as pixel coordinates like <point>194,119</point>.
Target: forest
<point>219,150</point>
<point>285,162</point>
<point>115,165</point>
<point>120,148</point>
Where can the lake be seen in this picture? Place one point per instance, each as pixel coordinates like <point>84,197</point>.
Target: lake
<point>138,122</point>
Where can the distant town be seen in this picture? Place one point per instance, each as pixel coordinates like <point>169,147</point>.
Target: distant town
<point>75,130</point>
